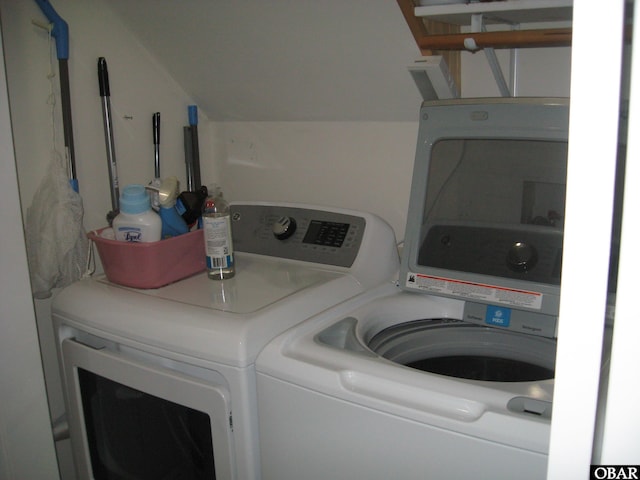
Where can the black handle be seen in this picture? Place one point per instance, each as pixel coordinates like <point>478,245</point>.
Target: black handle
<point>103,77</point>
<point>156,128</point>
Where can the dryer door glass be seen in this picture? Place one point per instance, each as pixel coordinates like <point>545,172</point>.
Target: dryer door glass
<point>132,434</point>
<point>134,415</point>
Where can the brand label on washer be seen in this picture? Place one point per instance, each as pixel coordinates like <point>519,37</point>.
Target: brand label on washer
<point>474,291</point>
<point>498,316</point>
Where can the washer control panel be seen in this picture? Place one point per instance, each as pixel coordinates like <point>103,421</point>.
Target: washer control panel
<point>284,227</point>
<point>295,233</point>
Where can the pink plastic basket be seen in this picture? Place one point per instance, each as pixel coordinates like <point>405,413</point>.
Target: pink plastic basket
<point>153,264</point>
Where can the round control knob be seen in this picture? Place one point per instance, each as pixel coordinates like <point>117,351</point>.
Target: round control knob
<point>284,227</point>
<point>522,257</point>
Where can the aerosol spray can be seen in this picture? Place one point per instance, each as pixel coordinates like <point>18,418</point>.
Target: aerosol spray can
<point>216,222</point>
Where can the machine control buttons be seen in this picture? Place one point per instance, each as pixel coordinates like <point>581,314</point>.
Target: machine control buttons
<point>310,235</point>
<point>522,257</point>
<point>284,227</point>
<point>326,234</point>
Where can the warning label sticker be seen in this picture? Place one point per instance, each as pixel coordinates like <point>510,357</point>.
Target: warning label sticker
<point>475,291</point>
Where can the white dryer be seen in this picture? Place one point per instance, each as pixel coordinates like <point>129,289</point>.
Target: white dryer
<point>161,383</point>
<point>448,373</point>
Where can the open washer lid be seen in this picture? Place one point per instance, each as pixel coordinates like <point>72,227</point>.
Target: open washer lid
<point>486,211</point>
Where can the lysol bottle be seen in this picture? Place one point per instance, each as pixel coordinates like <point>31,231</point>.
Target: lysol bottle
<point>216,222</point>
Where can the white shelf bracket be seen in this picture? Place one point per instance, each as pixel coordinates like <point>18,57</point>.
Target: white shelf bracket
<point>477,26</point>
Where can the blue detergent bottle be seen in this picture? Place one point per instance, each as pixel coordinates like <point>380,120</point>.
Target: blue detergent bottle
<point>172,222</point>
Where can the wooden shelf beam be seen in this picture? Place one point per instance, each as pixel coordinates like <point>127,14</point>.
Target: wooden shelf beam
<point>556,37</point>
<point>439,38</point>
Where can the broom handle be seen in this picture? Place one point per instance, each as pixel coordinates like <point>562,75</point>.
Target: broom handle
<point>60,32</point>
<point>105,94</point>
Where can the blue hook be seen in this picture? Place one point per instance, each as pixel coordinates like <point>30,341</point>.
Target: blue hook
<point>60,29</point>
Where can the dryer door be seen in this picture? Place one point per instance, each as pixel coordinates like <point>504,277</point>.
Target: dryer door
<point>131,418</point>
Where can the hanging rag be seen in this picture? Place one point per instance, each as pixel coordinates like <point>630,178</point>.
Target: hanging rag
<point>57,246</point>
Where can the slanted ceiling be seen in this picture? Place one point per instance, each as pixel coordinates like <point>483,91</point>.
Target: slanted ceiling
<point>283,60</point>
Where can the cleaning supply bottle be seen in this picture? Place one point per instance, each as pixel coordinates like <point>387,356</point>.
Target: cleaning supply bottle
<point>136,222</point>
<point>189,204</point>
<point>216,222</point>
<point>172,222</point>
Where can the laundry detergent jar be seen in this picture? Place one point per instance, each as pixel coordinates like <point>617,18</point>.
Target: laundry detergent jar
<point>136,222</point>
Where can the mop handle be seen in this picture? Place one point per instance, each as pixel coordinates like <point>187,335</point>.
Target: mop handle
<point>195,149</point>
<point>156,142</point>
<point>60,32</point>
<point>105,94</point>
<point>60,29</point>
<point>188,157</point>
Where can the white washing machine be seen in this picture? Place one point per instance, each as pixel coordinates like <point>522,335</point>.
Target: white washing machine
<point>448,373</point>
<point>161,383</point>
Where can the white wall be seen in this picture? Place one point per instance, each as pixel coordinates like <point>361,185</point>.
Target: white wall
<point>356,164</point>
<point>26,443</point>
<point>278,60</point>
<point>360,165</point>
